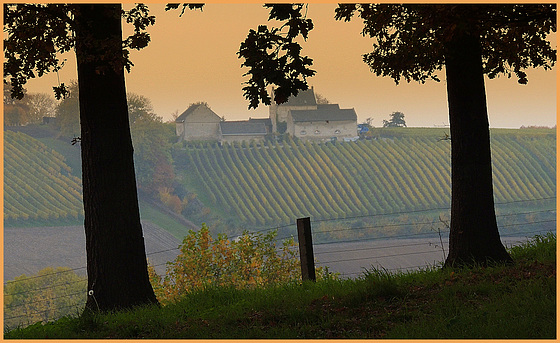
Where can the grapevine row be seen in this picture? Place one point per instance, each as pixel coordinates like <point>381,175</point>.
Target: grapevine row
<point>37,182</point>
<point>275,182</point>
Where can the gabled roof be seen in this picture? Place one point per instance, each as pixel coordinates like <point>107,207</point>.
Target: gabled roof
<point>242,128</point>
<point>304,98</point>
<point>190,110</point>
<point>330,112</point>
<point>265,121</point>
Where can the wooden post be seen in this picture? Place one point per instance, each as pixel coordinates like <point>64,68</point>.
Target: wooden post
<point>306,249</point>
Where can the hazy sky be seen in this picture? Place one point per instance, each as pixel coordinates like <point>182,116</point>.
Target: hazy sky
<point>193,58</point>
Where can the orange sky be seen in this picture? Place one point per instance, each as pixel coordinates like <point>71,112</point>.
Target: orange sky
<point>193,58</point>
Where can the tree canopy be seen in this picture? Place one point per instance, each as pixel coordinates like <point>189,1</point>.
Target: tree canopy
<point>409,40</point>
<point>415,42</point>
<point>396,120</point>
<point>273,56</point>
<point>37,35</point>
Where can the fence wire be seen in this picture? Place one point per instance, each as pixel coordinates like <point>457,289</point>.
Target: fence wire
<point>36,305</point>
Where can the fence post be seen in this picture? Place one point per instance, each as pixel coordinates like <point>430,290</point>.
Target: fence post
<point>306,249</point>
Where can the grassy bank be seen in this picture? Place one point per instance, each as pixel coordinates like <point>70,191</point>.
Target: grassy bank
<point>503,301</point>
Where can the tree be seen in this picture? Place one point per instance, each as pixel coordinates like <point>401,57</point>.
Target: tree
<point>117,269</point>
<point>29,110</point>
<point>37,33</point>
<point>15,110</point>
<point>151,139</point>
<point>251,260</point>
<point>140,109</point>
<point>321,99</point>
<point>415,42</point>
<point>40,105</point>
<point>397,120</point>
<point>273,56</point>
<point>68,112</point>
<point>50,294</point>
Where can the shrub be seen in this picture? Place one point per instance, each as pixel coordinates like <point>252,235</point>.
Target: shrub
<point>251,260</point>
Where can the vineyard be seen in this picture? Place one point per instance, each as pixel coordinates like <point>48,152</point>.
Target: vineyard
<point>38,185</point>
<point>260,184</point>
<point>269,184</point>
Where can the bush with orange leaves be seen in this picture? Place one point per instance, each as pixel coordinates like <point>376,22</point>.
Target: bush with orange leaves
<point>251,260</point>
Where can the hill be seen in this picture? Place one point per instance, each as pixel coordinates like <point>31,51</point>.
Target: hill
<point>402,171</point>
<point>398,170</point>
<point>38,185</point>
<point>43,188</point>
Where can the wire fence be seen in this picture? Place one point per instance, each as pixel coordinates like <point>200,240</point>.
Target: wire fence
<point>342,246</point>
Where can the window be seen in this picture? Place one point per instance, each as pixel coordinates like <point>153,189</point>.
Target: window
<point>317,132</point>
<point>303,132</point>
<point>336,132</point>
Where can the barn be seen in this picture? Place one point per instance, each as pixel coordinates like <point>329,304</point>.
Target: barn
<point>198,122</point>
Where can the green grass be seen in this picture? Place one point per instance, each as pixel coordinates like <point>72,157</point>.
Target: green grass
<point>70,152</point>
<point>148,212</point>
<point>499,302</point>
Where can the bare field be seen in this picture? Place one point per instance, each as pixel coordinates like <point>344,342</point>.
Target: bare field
<point>352,259</point>
<point>28,250</point>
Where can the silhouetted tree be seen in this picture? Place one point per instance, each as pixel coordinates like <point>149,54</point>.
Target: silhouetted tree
<point>37,33</point>
<point>397,120</point>
<point>414,42</point>
<point>273,56</point>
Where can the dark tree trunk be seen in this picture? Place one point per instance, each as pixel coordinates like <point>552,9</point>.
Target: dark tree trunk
<point>116,257</point>
<point>474,236</point>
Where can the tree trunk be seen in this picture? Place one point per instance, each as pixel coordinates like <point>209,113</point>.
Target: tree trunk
<point>116,257</point>
<point>474,236</point>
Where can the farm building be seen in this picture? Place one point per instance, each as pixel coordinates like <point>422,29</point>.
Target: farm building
<point>237,131</point>
<point>306,119</point>
<point>326,122</point>
<point>305,100</point>
<point>301,116</point>
<point>198,122</point>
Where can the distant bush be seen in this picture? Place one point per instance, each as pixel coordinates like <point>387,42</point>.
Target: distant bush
<point>50,294</point>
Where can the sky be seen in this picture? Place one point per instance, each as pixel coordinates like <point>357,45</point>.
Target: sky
<point>193,58</point>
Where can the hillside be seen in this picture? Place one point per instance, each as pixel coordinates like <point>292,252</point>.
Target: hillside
<point>398,170</point>
<point>252,186</point>
<point>38,185</point>
<point>42,184</point>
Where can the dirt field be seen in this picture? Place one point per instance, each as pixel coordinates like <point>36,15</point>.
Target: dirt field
<point>28,250</point>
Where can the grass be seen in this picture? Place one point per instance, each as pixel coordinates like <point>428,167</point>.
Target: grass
<point>164,221</point>
<point>499,302</point>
